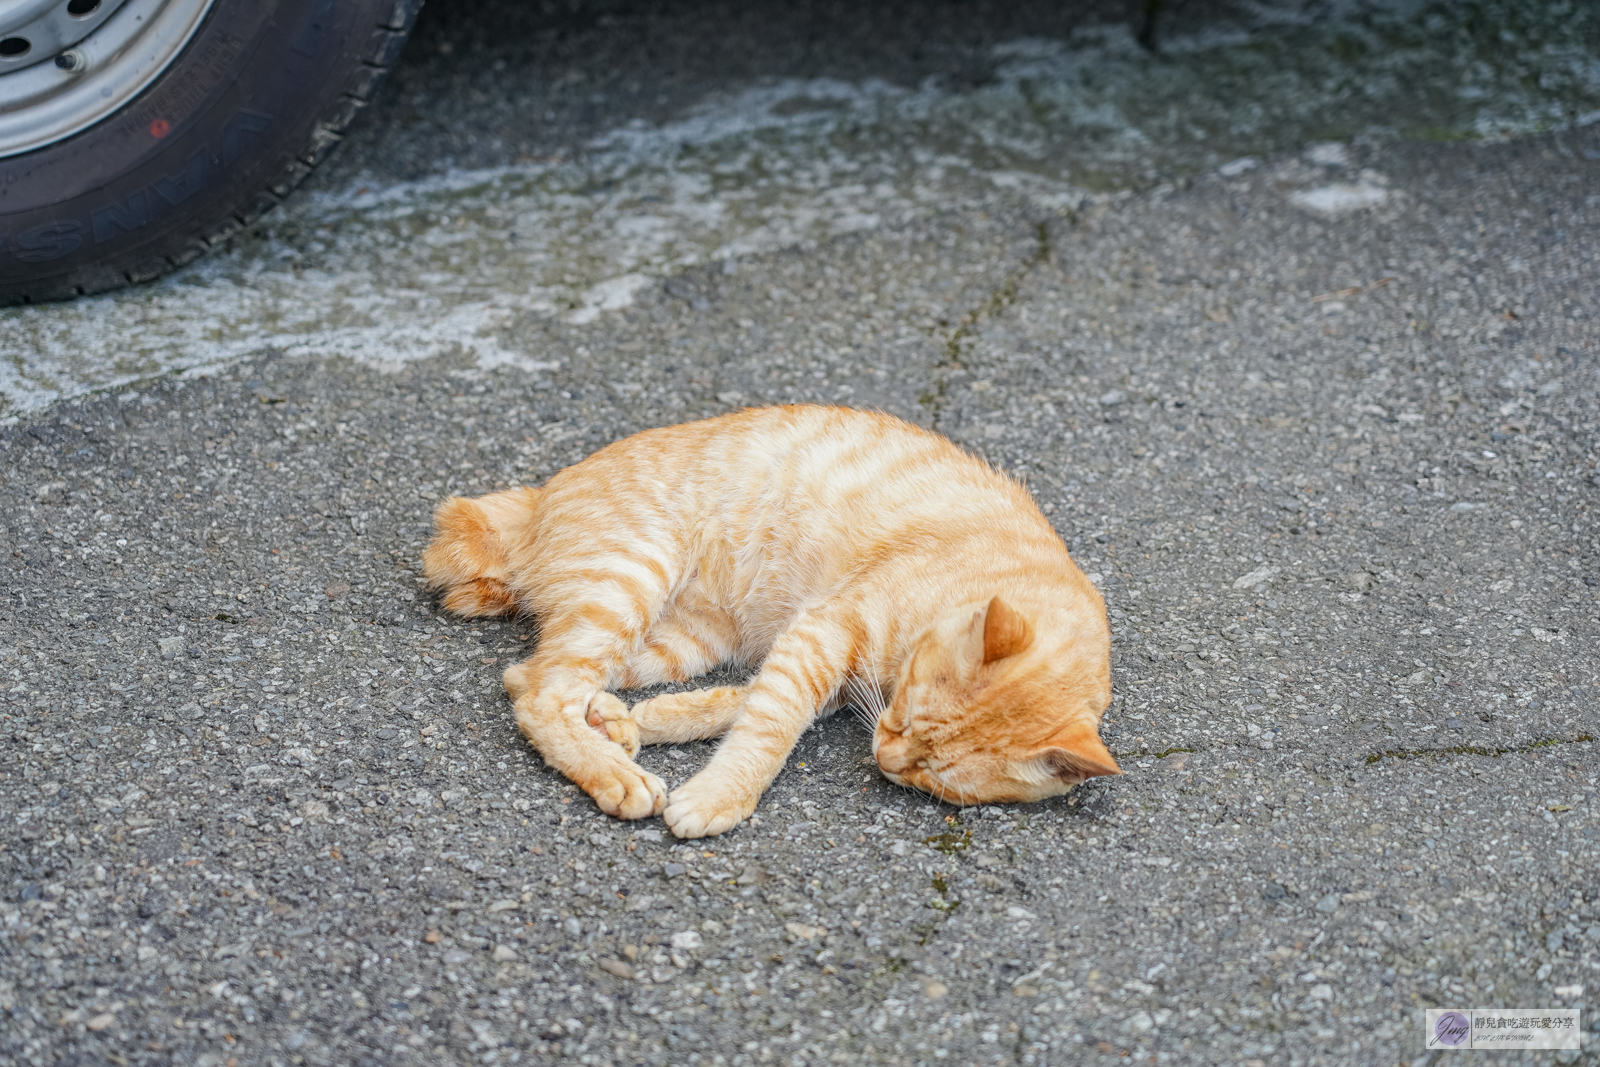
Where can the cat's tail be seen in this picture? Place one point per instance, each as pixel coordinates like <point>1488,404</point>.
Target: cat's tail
<point>467,559</point>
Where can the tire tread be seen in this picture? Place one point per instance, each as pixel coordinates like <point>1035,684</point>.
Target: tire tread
<point>374,59</point>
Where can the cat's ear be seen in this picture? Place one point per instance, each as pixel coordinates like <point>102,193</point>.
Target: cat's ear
<point>967,651</point>
<point>1005,631</point>
<point>1077,753</point>
<point>992,632</point>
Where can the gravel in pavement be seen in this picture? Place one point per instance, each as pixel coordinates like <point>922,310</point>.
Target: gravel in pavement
<point>1332,463</point>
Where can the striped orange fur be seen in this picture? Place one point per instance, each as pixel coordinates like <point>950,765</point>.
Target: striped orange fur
<point>860,560</point>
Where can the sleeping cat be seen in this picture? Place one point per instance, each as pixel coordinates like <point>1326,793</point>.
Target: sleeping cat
<point>857,558</point>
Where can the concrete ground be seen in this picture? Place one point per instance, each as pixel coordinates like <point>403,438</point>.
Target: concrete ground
<point>1323,429</point>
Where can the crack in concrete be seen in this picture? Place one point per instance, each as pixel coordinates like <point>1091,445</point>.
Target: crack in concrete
<point>993,304</point>
<point>1390,753</point>
<point>1163,754</point>
<point>1474,750</point>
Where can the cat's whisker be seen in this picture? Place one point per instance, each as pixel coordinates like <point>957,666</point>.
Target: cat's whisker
<point>954,789</point>
<point>959,786</point>
<point>862,718</point>
<point>866,698</point>
<point>961,789</point>
<point>858,703</point>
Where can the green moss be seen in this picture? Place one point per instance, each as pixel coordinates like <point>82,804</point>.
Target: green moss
<point>950,844</point>
<point>947,903</point>
<point>1473,750</point>
<point>1445,134</point>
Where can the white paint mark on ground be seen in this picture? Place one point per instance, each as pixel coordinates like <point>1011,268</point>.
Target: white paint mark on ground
<point>449,264</point>
<point>1328,154</point>
<point>1259,576</point>
<point>1340,198</point>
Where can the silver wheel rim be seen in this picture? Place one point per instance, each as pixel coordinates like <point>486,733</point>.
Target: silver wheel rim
<point>82,61</point>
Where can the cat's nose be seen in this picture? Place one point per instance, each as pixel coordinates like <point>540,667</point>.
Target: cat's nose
<point>895,756</point>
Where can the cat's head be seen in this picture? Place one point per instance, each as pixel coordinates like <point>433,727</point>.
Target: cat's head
<point>466,560</point>
<point>991,708</point>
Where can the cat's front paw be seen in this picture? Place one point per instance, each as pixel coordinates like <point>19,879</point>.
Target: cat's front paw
<point>610,717</point>
<point>707,805</point>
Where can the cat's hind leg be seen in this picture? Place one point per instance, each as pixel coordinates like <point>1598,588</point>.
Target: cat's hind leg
<point>553,702</point>
<point>697,715</point>
<point>556,692</point>
<point>678,647</point>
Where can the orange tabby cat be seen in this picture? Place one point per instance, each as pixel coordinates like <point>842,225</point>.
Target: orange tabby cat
<point>858,558</point>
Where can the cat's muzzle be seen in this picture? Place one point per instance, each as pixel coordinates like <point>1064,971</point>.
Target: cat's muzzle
<point>895,756</point>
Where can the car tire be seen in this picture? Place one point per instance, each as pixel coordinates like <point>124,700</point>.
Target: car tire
<point>258,98</point>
